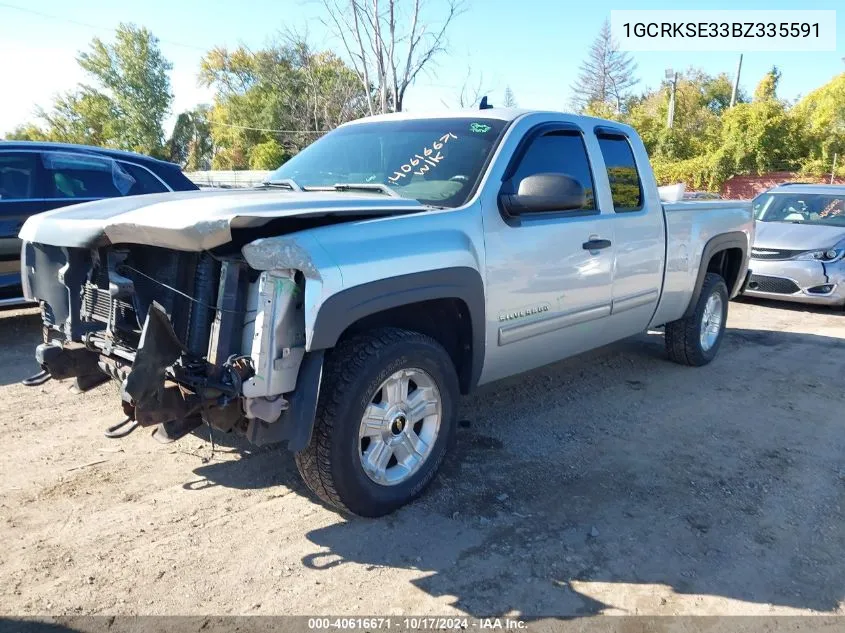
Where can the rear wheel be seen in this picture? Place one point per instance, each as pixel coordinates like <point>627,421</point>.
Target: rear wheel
<point>384,421</point>
<point>695,340</point>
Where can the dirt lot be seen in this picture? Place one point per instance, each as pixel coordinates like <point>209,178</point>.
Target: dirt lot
<point>615,482</point>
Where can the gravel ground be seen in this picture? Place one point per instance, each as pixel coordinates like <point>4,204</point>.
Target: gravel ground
<point>615,482</point>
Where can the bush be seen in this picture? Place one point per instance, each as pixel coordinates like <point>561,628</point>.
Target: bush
<point>698,173</point>
<point>820,169</point>
<point>229,159</point>
<point>267,155</point>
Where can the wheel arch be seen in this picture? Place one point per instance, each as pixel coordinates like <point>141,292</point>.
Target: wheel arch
<point>446,304</point>
<point>727,255</point>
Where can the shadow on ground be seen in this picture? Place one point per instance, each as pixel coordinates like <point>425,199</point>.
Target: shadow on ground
<point>542,506</point>
<point>20,332</point>
<point>597,472</point>
<point>255,468</point>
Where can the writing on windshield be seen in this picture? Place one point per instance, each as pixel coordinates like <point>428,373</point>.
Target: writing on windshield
<point>432,160</point>
<point>431,157</point>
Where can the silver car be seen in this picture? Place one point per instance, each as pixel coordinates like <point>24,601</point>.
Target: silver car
<point>799,245</point>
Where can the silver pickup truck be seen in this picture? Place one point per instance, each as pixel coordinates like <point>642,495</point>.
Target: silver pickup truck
<point>393,265</point>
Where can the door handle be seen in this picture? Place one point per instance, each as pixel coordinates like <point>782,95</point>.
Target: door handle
<point>595,245</point>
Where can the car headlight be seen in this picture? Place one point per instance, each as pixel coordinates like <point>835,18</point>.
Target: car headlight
<point>827,255</point>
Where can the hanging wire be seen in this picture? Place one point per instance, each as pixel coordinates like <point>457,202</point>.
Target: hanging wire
<point>184,294</point>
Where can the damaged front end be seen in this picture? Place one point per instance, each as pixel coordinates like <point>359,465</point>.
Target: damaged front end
<point>191,337</point>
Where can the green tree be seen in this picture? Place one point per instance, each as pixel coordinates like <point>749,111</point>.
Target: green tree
<point>133,76</point>
<point>822,113</point>
<point>286,93</point>
<point>180,140</point>
<point>700,101</point>
<point>267,155</point>
<point>83,116</point>
<point>711,141</point>
<point>125,105</point>
<point>761,136</point>
<point>27,132</point>
<point>603,110</point>
<point>191,144</point>
<point>767,89</point>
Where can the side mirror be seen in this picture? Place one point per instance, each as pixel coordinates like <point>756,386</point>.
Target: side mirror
<point>545,192</point>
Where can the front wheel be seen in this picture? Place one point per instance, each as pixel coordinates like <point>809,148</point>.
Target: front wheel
<point>695,340</point>
<point>384,421</point>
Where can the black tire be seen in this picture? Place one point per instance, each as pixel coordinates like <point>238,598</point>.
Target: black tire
<point>331,464</point>
<point>683,342</point>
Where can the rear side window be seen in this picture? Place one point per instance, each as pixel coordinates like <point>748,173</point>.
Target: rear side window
<point>70,175</point>
<point>17,175</point>
<point>145,182</point>
<point>622,173</point>
<point>558,153</point>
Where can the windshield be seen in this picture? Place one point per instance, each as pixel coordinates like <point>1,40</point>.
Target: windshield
<point>435,161</point>
<point>801,208</point>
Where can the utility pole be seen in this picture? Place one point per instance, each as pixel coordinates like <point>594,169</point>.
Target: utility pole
<point>833,169</point>
<point>736,81</point>
<point>672,76</point>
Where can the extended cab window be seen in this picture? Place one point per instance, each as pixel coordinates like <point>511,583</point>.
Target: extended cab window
<point>17,175</point>
<point>558,153</point>
<point>71,175</point>
<point>622,173</point>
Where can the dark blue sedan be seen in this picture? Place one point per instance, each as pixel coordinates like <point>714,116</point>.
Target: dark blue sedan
<point>36,177</point>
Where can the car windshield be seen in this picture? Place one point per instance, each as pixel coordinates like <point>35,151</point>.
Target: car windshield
<point>801,208</point>
<point>435,161</point>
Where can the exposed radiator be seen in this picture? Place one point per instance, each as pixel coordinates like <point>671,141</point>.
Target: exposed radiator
<point>96,304</point>
<point>154,274</point>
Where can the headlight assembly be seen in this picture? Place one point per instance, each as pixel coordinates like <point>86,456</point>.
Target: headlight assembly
<point>826,255</point>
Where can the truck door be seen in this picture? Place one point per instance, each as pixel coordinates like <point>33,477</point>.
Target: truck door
<point>640,234</point>
<point>549,274</point>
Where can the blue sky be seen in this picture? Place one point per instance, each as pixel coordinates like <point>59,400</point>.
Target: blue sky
<point>535,46</point>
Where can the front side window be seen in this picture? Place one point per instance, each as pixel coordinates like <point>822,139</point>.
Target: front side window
<point>625,187</point>
<point>71,175</point>
<point>558,153</point>
<point>435,161</point>
<point>17,175</point>
<point>801,208</point>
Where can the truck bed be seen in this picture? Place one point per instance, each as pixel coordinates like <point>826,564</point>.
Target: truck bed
<point>688,230</point>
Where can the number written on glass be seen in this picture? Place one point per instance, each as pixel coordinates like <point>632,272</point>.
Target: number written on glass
<point>421,163</point>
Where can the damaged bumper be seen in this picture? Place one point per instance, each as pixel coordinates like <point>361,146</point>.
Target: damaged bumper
<point>811,282</point>
<point>191,338</point>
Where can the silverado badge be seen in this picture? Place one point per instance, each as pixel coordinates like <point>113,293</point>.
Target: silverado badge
<point>519,314</point>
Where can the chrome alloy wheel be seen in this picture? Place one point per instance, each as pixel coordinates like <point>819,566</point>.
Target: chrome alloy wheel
<point>400,426</point>
<point>711,322</point>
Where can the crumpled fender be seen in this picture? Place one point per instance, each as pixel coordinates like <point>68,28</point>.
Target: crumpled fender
<point>304,253</point>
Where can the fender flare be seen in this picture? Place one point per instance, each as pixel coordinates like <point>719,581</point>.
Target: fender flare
<point>348,306</point>
<point>732,239</point>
